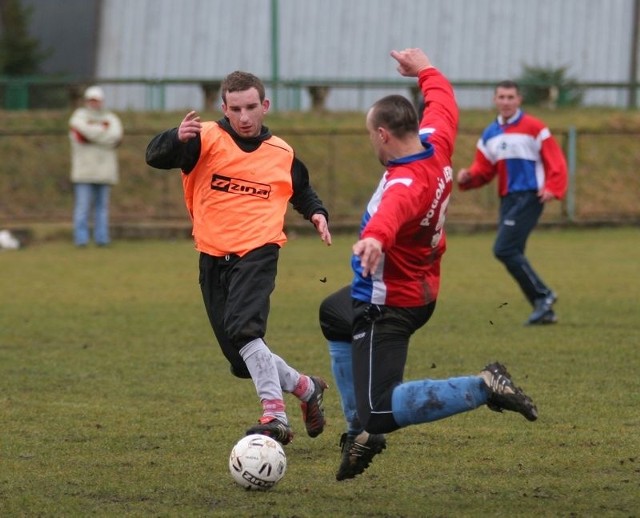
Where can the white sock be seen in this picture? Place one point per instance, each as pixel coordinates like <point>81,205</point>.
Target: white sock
<point>289,377</point>
<point>264,373</point>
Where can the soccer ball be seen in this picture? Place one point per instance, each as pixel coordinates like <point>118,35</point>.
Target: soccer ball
<point>257,462</point>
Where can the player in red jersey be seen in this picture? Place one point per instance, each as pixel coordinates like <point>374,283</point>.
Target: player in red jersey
<point>531,171</point>
<point>396,265</point>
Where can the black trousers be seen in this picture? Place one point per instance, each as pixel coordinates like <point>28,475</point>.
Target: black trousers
<point>236,293</point>
<point>519,215</point>
<point>380,345</point>
<point>336,315</point>
<point>379,337</point>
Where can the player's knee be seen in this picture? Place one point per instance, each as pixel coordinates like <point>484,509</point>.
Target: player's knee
<point>240,371</point>
<point>325,316</point>
<point>333,325</point>
<point>324,308</point>
<point>502,254</point>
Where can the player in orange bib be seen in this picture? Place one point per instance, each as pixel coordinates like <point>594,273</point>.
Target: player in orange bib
<point>238,179</point>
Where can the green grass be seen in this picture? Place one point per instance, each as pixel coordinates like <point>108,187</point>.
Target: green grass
<point>114,399</point>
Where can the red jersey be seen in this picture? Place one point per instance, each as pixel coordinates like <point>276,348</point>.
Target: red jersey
<point>524,155</point>
<point>407,211</point>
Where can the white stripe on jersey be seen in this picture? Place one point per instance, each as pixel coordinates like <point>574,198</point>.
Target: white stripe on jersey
<point>379,288</point>
<point>512,145</point>
<point>403,181</point>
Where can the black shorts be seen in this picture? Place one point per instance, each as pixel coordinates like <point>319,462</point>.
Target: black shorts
<point>380,346</point>
<point>236,293</point>
<point>379,337</point>
<point>336,315</point>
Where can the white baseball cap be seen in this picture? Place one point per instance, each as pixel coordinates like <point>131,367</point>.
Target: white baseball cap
<point>95,93</point>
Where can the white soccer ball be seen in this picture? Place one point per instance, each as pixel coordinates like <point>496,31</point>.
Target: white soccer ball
<point>257,462</point>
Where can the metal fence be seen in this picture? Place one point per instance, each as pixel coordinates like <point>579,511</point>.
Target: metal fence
<point>140,94</point>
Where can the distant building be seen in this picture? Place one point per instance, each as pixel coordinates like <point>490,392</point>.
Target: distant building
<point>68,31</point>
<point>346,41</point>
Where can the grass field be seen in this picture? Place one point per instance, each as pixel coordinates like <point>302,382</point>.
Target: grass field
<point>114,400</point>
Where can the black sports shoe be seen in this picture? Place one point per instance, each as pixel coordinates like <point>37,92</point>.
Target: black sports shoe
<point>356,457</point>
<point>504,395</point>
<point>543,310</point>
<point>273,428</point>
<point>313,410</point>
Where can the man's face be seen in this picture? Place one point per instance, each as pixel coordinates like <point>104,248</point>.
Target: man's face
<point>245,112</point>
<point>94,104</point>
<point>507,101</point>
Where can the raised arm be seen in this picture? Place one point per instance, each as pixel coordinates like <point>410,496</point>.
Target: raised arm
<point>177,147</point>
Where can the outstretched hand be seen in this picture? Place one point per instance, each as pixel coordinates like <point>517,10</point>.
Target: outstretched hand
<point>322,226</point>
<point>190,127</point>
<point>411,61</point>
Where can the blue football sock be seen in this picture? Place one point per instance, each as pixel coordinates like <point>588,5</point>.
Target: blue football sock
<point>428,400</point>
<point>341,365</point>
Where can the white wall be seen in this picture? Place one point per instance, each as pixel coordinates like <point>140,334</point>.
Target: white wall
<point>469,40</point>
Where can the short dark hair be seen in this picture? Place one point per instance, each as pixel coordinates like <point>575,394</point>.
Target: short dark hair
<point>395,113</point>
<point>239,81</point>
<point>508,83</point>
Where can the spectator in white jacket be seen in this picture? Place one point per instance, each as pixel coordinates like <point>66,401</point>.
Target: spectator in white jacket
<point>95,134</point>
